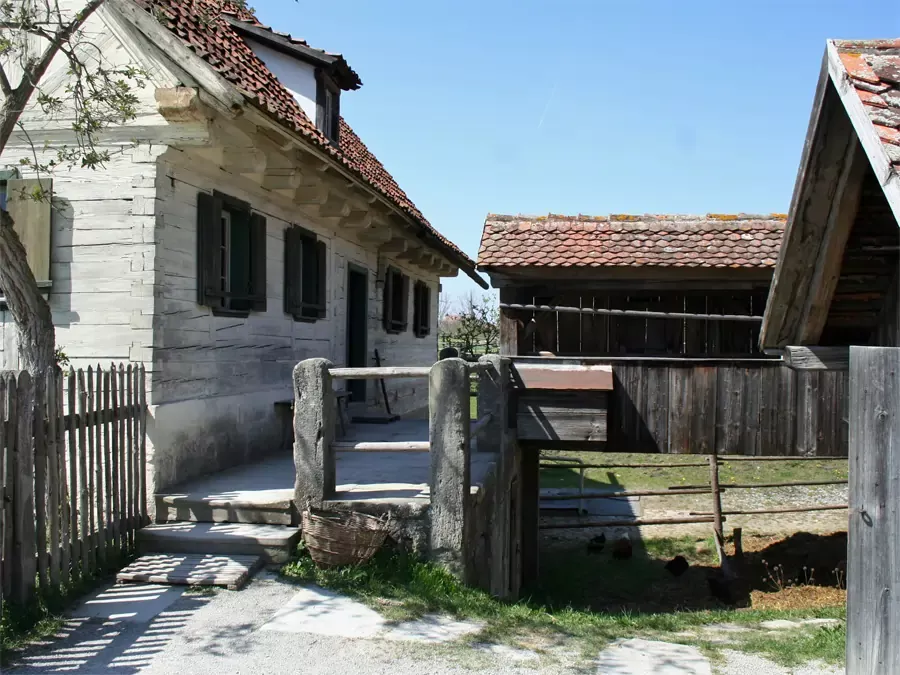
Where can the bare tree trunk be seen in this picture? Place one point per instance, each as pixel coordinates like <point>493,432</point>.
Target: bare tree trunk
<point>30,311</point>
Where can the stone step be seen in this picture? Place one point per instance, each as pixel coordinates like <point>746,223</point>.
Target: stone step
<point>219,509</point>
<point>275,543</point>
<point>192,569</point>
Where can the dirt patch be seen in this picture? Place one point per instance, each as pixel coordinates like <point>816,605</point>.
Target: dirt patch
<point>799,597</point>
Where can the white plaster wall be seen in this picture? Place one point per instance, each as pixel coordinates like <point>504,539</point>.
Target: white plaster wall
<point>102,221</point>
<point>215,379</point>
<point>298,77</point>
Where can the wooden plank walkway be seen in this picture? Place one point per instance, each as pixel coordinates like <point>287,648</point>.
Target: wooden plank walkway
<point>191,569</point>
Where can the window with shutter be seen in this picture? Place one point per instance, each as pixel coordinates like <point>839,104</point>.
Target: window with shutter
<point>305,271</point>
<point>396,300</point>
<point>421,309</point>
<point>231,255</point>
<point>328,106</point>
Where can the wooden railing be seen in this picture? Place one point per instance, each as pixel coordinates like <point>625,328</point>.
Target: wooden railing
<point>73,479</point>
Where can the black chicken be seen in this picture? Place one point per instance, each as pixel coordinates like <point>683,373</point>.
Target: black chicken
<point>677,565</point>
<point>622,550</point>
<point>595,545</point>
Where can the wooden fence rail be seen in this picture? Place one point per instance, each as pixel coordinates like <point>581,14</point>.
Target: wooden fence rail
<point>73,476</point>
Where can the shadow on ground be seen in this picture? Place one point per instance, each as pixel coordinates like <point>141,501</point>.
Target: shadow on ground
<point>573,576</point>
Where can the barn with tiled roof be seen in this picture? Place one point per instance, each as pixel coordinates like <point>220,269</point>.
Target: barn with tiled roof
<point>712,264</point>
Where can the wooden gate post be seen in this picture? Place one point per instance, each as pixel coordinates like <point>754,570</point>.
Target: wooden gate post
<point>448,433</point>
<point>314,417</point>
<point>873,558</point>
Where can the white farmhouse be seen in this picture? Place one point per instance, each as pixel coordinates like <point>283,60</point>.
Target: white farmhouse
<point>239,227</point>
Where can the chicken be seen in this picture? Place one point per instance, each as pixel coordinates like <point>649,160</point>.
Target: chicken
<point>622,549</point>
<point>595,545</point>
<point>677,565</point>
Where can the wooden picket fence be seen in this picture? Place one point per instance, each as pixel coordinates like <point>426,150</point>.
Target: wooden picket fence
<point>73,476</point>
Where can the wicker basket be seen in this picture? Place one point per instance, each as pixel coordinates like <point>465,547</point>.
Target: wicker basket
<point>337,538</point>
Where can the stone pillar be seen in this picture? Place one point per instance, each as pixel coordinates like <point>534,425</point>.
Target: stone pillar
<point>314,418</point>
<point>448,404</point>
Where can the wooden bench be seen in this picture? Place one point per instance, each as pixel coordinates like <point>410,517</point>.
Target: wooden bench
<point>285,411</point>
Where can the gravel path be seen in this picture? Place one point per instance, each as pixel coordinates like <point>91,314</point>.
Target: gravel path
<point>739,663</point>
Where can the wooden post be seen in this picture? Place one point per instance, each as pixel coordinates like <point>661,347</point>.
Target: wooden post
<point>493,399</point>
<point>873,557</point>
<point>8,444</point>
<point>718,532</point>
<point>23,554</point>
<point>54,493</point>
<point>314,417</point>
<point>84,496</point>
<point>509,325</point>
<point>531,512</point>
<point>448,405</point>
<point>40,498</point>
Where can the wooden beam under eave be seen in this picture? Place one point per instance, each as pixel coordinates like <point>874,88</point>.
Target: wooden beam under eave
<point>844,208</point>
<point>334,207</point>
<point>308,194</point>
<point>357,219</point>
<point>394,245</point>
<point>374,234</point>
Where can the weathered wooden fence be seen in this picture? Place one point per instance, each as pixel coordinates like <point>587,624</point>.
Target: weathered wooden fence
<point>73,476</point>
<point>722,406</point>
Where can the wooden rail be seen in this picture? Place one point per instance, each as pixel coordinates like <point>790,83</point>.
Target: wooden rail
<point>480,426</point>
<point>635,313</point>
<point>384,372</point>
<point>618,522</point>
<point>381,446</point>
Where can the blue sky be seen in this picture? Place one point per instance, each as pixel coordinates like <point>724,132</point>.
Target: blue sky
<point>635,106</point>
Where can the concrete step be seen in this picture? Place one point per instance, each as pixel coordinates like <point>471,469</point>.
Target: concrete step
<point>275,543</point>
<point>192,569</point>
<point>220,509</point>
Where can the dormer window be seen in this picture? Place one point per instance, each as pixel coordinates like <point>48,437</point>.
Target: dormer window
<point>328,106</point>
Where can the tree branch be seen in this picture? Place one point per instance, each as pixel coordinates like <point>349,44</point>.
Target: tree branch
<point>18,98</point>
<point>4,84</point>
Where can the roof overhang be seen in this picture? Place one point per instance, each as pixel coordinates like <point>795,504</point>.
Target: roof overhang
<point>335,65</point>
<point>841,145</point>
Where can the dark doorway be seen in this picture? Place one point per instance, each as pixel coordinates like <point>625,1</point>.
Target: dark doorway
<point>357,302</point>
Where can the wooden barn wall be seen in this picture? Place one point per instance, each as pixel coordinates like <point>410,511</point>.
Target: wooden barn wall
<point>586,335</point>
<point>747,408</point>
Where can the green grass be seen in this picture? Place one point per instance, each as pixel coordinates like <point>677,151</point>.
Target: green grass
<point>668,475</point>
<point>402,587</point>
<point>794,648</point>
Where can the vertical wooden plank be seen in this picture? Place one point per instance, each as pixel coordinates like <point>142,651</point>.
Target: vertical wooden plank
<point>704,392</point>
<point>695,329</point>
<point>123,468</point>
<point>97,443</point>
<point>716,492</point>
<point>129,452</point>
<point>656,407</point>
<point>7,402</point>
<point>680,409</point>
<point>53,493</point>
<point>108,470</point>
<point>73,475</point>
<point>750,436</point>
<point>509,326</point>
<point>569,326</point>
<point>65,521</point>
<point>40,497</point>
<point>873,556</point>
<point>843,413</point>
<point>113,432</point>
<point>729,409</point>
<point>91,467</point>
<point>23,555</point>
<point>807,412</point>
<point>776,410</point>
<point>142,449</point>
<point>83,490</point>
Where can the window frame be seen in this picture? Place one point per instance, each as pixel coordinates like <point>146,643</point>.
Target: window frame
<point>395,317</point>
<point>328,113</point>
<point>421,309</point>
<point>215,252</point>
<point>298,242</point>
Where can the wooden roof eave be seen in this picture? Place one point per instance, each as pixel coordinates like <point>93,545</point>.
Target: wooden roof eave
<point>840,142</point>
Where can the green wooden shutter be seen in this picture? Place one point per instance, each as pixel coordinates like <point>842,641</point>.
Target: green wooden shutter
<point>404,312</point>
<point>258,262</point>
<point>209,249</point>
<point>321,279</point>
<point>291,271</point>
<point>386,300</point>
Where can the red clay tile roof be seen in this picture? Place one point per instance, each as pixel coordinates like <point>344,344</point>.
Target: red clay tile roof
<point>714,240</point>
<point>203,25</point>
<point>873,68</point>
